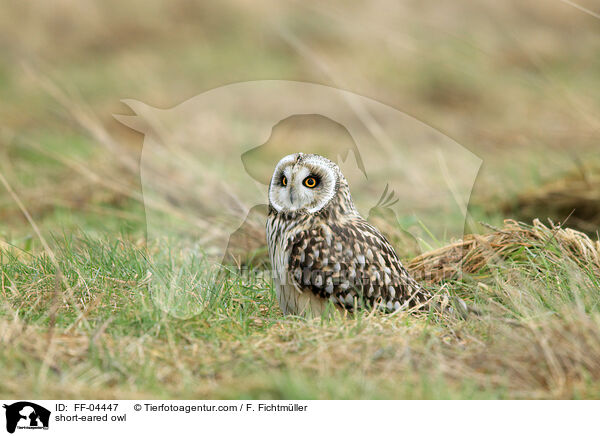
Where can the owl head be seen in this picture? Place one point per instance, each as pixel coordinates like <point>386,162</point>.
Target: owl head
<point>308,183</point>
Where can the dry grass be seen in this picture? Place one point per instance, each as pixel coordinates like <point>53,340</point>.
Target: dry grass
<point>537,336</point>
<point>475,253</point>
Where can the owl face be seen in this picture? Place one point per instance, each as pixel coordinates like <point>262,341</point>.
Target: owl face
<point>303,182</point>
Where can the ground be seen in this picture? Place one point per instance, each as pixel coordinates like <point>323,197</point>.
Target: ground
<point>515,83</point>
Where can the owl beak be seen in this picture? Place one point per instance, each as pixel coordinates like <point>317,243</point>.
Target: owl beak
<point>292,195</point>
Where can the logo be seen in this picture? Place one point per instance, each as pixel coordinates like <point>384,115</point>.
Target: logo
<point>207,163</point>
<point>26,415</point>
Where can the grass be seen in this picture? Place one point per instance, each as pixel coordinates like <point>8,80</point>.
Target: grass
<point>514,83</point>
<point>88,326</point>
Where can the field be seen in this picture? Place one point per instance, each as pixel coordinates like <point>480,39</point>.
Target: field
<point>515,84</point>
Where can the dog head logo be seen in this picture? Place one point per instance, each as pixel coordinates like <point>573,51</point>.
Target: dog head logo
<point>26,415</point>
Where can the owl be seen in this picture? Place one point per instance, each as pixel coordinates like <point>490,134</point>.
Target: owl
<point>322,250</point>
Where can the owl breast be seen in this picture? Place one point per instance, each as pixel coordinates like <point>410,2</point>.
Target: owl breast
<point>278,233</point>
<point>281,233</point>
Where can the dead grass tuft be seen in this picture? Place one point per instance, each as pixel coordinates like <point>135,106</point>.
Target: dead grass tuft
<point>476,252</point>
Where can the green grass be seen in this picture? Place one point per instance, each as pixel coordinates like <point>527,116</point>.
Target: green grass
<point>89,326</point>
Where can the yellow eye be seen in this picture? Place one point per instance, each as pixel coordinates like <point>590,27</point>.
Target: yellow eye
<point>310,182</point>
<point>284,181</point>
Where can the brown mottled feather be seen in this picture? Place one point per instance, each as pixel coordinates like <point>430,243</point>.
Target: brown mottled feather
<point>352,264</point>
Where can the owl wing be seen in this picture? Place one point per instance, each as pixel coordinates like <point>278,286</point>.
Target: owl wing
<point>352,264</point>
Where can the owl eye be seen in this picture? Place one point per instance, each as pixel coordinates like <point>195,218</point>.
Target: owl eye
<point>310,182</point>
<point>284,181</point>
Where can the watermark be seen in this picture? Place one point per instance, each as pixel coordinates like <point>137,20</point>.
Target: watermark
<point>206,165</point>
<point>24,415</point>
<point>77,417</point>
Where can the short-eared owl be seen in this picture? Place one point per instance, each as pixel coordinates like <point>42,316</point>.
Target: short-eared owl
<point>322,250</point>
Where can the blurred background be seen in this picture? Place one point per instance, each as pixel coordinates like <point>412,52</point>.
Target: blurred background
<point>516,83</point>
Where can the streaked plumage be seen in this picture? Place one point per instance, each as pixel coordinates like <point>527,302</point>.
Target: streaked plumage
<point>322,250</point>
